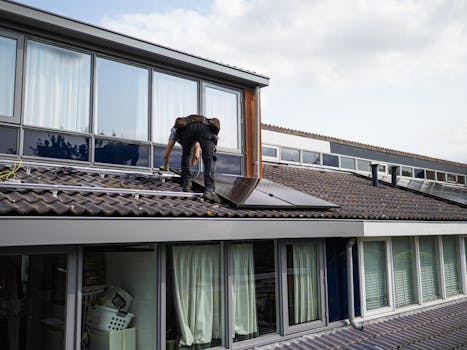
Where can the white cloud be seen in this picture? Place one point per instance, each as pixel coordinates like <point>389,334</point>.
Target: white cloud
<point>333,47</point>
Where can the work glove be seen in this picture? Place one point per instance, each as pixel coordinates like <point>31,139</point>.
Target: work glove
<point>164,168</point>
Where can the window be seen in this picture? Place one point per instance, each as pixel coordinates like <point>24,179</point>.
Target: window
<point>375,274</point>
<point>175,158</point>
<point>311,157</point>
<point>363,165</point>
<point>382,168</point>
<point>121,153</point>
<point>403,259</point>
<point>269,152</point>
<point>290,154</point>
<point>57,92</point>
<point>331,160</point>
<point>429,268</point>
<point>229,164</point>
<point>430,175</point>
<point>119,287</point>
<point>121,100</point>
<point>461,179</point>
<point>253,289</point>
<point>224,105</point>
<point>451,178</point>
<point>8,140</point>
<point>441,176</point>
<point>347,163</point>
<point>419,173</point>
<point>451,266</point>
<point>397,169</point>
<point>173,97</point>
<point>55,145</point>
<point>8,73</point>
<point>303,282</point>
<point>195,296</point>
<point>406,171</point>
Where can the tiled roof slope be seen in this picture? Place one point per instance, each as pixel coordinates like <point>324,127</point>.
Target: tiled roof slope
<point>438,329</point>
<point>354,144</point>
<point>356,196</point>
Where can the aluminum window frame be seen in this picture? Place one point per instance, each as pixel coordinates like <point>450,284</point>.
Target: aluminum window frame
<point>15,118</point>
<point>18,141</point>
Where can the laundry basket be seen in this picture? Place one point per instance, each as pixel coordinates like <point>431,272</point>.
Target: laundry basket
<point>107,319</point>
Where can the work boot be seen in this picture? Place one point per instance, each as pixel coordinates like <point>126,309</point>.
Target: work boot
<point>211,196</point>
<point>187,186</point>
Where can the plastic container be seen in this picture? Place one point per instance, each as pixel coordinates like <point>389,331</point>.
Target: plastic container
<point>117,298</point>
<point>107,319</point>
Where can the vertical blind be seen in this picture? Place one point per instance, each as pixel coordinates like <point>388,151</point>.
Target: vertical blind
<point>429,268</point>
<point>7,74</point>
<point>451,266</point>
<point>375,274</point>
<point>58,84</point>
<point>403,255</point>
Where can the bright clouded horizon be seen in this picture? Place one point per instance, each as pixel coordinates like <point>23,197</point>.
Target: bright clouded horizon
<point>388,73</point>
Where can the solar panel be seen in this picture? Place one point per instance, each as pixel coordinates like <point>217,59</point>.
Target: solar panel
<point>457,194</point>
<point>248,192</point>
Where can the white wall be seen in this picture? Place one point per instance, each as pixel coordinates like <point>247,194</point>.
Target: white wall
<point>284,140</point>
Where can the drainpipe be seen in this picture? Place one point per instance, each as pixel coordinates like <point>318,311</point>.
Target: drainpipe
<point>258,133</point>
<point>350,296</point>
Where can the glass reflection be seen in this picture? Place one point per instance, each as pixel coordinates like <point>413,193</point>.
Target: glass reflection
<point>8,140</point>
<point>290,154</point>
<point>347,163</point>
<point>174,160</point>
<point>121,153</point>
<point>310,157</point>
<point>54,145</point>
<point>269,152</point>
<point>7,72</point>
<point>363,165</point>
<point>330,160</point>
<point>419,173</point>
<point>32,302</point>
<point>229,164</point>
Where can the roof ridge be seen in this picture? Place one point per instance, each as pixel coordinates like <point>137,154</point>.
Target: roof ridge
<point>308,134</point>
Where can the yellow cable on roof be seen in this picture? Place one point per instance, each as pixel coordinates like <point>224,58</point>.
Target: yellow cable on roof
<point>7,174</point>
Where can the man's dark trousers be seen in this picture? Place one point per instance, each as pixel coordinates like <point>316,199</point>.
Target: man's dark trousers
<point>207,139</point>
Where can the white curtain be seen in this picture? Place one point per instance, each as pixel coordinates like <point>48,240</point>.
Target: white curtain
<point>244,291</point>
<point>224,106</point>
<point>7,75</point>
<point>306,282</point>
<point>198,293</point>
<point>57,88</point>
<point>173,97</point>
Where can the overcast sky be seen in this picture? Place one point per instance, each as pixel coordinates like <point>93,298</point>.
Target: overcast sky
<point>388,73</point>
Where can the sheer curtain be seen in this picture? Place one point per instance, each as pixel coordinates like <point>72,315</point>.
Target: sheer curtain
<point>244,290</point>
<point>57,88</point>
<point>7,74</point>
<point>224,106</point>
<point>198,293</point>
<point>306,282</point>
<point>173,97</point>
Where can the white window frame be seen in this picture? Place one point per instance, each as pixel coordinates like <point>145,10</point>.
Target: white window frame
<point>268,157</point>
<point>290,161</point>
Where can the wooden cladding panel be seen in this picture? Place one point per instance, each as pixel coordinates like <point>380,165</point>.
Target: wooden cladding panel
<point>250,133</point>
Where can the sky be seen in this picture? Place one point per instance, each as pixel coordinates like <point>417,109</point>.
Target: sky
<point>389,73</point>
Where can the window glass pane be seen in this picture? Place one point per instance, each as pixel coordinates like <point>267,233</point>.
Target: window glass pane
<point>430,175</point>
<point>419,173</point>
<point>461,179</point>
<point>121,153</point>
<point>382,168</point>
<point>223,105</point>
<point>398,169</point>
<point>451,266</point>
<point>121,100</point>
<point>375,274</point>
<point>33,298</point>
<point>253,289</point>
<point>8,140</point>
<point>363,165</point>
<point>330,160</point>
<point>290,154</point>
<point>429,265</point>
<point>303,282</point>
<point>403,253</point>
<point>54,145</point>
<point>173,97</point>
<point>119,297</point>
<point>347,163</point>
<point>57,88</point>
<point>441,176</point>
<point>269,152</point>
<point>311,157</point>
<point>7,72</point>
<point>229,164</point>
<point>451,178</point>
<point>175,158</point>
<point>406,171</point>
<point>195,296</point>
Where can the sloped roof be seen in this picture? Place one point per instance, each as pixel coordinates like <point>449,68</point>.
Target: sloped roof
<point>355,194</point>
<point>441,328</point>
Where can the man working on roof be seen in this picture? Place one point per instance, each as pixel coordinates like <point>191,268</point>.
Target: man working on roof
<point>192,129</point>
<point>170,146</point>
